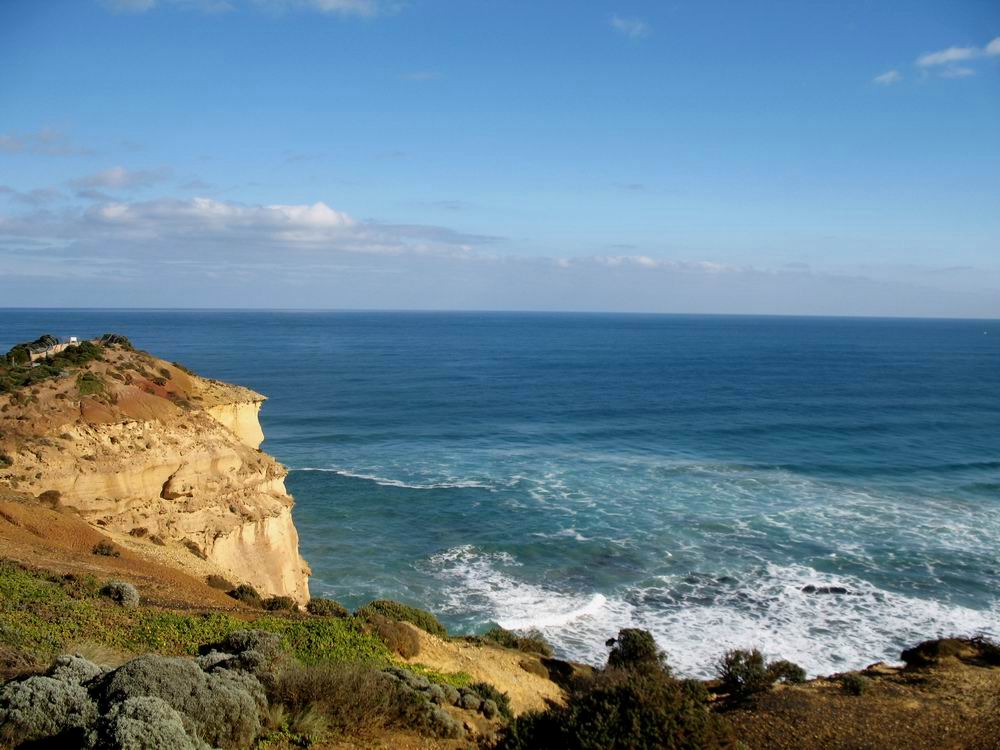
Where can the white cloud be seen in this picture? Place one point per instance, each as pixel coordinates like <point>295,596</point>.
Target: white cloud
<point>119,177</point>
<point>168,227</point>
<point>947,56</point>
<point>888,78</point>
<point>634,28</point>
<point>290,222</point>
<point>644,261</point>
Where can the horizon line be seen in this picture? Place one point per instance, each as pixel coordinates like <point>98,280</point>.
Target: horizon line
<point>477,311</point>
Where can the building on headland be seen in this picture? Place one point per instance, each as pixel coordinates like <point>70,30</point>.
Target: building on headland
<point>51,348</point>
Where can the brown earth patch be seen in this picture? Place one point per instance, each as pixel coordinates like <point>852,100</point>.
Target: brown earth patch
<point>952,706</point>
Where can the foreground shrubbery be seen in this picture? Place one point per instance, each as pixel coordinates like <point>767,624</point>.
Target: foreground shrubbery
<point>632,703</point>
<point>240,690</point>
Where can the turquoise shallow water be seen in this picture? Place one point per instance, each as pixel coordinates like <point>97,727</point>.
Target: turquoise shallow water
<point>580,473</point>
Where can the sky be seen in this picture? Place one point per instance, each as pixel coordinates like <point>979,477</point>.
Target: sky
<point>693,156</point>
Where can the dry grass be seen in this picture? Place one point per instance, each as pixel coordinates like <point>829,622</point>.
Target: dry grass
<point>398,637</point>
<point>348,699</point>
<point>99,653</point>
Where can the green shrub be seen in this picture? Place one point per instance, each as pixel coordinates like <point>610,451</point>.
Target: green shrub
<point>122,593</point>
<point>743,673</point>
<point>46,708</point>
<point>5,460</point>
<point>404,613</point>
<point>989,649</point>
<point>326,608</point>
<point>786,671</point>
<point>622,709</point>
<point>488,692</point>
<point>853,684</point>
<point>218,582</point>
<point>146,722</point>
<point>247,594</point>
<point>280,604</point>
<point>74,669</point>
<point>116,339</point>
<point>106,549</point>
<point>635,649</point>
<point>89,384</point>
<point>531,642</point>
<point>224,713</point>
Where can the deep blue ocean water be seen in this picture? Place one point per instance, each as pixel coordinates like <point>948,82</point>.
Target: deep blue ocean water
<point>579,473</point>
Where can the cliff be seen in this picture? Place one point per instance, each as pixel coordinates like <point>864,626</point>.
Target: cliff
<point>164,461</point>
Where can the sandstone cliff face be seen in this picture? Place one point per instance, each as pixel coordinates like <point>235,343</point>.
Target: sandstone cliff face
<point>167,460</point>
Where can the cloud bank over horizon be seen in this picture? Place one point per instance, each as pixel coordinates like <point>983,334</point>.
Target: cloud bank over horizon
<point>204,252</point>
<point>385,154</point>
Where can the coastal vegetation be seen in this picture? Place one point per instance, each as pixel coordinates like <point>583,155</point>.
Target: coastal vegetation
<point>17,370</point>
<point>404,613</point>
<point>634,702</point>
<point>531,642</point>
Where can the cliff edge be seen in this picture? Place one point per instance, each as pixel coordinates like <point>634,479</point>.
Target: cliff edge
<point>164,461</point>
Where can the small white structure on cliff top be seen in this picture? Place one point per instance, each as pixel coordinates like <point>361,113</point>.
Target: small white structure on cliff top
<point>52,349</point>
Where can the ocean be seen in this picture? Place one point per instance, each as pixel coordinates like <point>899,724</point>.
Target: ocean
<point>825,489</point>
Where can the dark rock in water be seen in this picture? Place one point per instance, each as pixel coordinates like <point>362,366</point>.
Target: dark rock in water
<point>810,589</point>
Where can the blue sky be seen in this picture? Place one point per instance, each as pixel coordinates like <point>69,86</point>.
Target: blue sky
<point>758,157</point>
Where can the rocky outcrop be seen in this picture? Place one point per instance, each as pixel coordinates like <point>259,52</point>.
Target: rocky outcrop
<point>167,460</point>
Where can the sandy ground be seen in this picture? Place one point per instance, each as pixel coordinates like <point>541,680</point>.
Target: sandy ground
<point>61,542</point>
<point>498,666</point>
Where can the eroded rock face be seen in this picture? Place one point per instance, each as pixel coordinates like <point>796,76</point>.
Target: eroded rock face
<point>163,456</point>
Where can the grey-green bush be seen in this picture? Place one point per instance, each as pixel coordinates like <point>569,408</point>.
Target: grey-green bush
<point>44,708</point>
<point>222,712</point>
<point>258,652</point>
<point>121,592</point>
<point>145,723</point>
<point>74,669</point>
